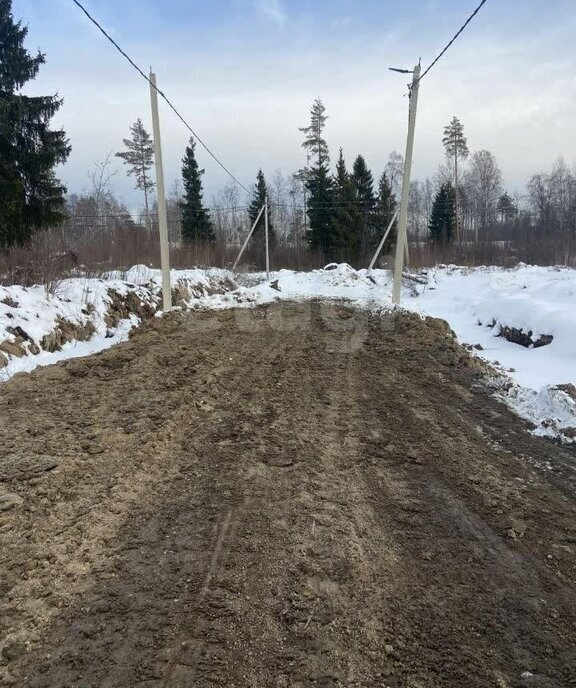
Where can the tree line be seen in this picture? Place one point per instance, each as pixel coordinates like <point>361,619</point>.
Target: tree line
<point>340,212</point>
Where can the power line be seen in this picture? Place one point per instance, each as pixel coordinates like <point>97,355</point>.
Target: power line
<point>160,93</point>
<point>462,28</point>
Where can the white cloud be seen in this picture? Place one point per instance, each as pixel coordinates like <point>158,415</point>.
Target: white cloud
<point>273,10</point>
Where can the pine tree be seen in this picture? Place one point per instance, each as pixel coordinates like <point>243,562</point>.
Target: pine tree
<point>443,218</point>
<point>364,184</point>
<point>385,209</point>
<point>506,208</point>
<point>259,236</point>
<point>319,183</point>
<point>196,223</point>
<point>348,219</point>
<point>314,142</point>
<point>139,158</point>
<point>456,147</point>
<point>31,197</point>
<point>320,187</point>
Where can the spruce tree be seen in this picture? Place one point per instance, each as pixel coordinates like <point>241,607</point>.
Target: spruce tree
<point>31,197</point>
<point>320,186</point>
<point>348,219</point>
<point>385,209</point>
<point>258,241</point>
<point>443,218</point>
<point>196,223</point>
<point>139,159</point>
<point>364,184</point>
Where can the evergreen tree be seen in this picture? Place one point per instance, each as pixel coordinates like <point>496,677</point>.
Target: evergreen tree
<point>320,187</point>
<point>319,183</point>
<point>364,183</point>
<point>348,218</point>
<point>139,158</point>
<point>258,241</point>
<point>385,209</point>
<point>507,208</point>
<point>443,218</point>
<point>31,197</point>
<point>456,147</point>
<point>314,142</point>
<point>196,223</point>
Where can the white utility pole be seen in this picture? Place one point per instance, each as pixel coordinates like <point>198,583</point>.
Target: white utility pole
<point>248,238</point>
<point>403,221</point>
<point>381,244</point>
<point>267,239</point>
<point>162,218</point>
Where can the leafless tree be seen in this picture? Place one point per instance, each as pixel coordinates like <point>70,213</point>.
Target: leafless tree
<point>483,188</point>
<point>395,171</point>
<point>100,177</point>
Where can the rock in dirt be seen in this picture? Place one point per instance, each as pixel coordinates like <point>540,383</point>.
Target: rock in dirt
<point>9,501</point>
<point>517,528</point>
<point>12,348</point>
<point>13,651</point>
<point>568,389</point>
<point>280,461</point>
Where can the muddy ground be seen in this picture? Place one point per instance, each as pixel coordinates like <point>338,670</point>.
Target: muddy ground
<point>292,496</point>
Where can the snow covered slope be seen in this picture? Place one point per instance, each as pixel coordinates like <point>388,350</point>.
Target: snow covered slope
<point>534,305</point>
<point>82,316</point>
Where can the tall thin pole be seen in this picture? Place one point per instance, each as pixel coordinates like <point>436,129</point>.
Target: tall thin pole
<point>248,239</point>
<point>403,221</point>
<point>382,242</point>
<point>162,216</point>
<point>456,191</point>
<point>267,229</point>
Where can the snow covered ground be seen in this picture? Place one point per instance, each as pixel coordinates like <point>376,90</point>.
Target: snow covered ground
<point>28,315</point>
<point>478,303</point>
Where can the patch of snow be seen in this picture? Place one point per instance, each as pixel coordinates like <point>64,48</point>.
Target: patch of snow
<point>477,303</point>
<point>27,364</point>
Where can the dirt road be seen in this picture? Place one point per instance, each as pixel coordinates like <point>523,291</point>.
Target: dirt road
<point>292,496</point>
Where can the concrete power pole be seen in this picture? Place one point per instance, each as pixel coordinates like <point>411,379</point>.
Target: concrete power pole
<point>403,221</point>
<point>267,230</point>
<point>162,218</point>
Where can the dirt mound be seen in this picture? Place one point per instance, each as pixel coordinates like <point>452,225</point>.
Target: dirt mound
<point>300,495</point>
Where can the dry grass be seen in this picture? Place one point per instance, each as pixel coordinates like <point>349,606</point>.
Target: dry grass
<point>55,255</point>
<point>533,250</point>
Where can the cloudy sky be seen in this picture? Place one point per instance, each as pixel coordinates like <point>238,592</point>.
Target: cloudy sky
<point>245,72</point>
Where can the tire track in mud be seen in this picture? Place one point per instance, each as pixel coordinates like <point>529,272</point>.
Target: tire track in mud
<point>292,496</point>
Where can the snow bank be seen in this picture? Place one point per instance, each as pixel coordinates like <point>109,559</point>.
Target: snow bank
<point>479,304</point>
<point>83,316</point>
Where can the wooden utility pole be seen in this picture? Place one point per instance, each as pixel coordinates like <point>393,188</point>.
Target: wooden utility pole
<point>162,215</point>
<point>403,217</point>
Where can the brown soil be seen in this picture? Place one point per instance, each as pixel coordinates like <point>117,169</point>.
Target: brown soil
<point>293,496</point>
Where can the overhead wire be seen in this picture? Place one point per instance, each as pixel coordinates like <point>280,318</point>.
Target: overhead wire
<point>455,37</point>
<point>163,96</point>
<point>199,139</point>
